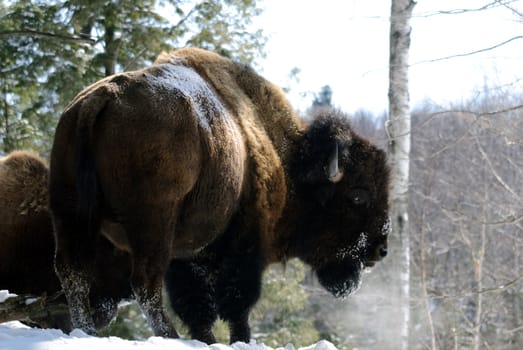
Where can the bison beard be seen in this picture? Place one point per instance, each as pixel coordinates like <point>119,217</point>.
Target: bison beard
<point>209,176</point>
<point>341,278</point>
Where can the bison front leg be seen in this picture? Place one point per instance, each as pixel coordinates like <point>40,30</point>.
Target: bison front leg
<point>191,293</point>
<point>238,289</point>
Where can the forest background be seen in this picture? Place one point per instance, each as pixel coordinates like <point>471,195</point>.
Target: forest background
<point>465,191</point>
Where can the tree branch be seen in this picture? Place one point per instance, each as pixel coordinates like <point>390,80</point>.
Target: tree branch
<point>498,288</point>
<point>36,33</point>
<point>40,310</point>
<point>189,14</point>
<point>468,53</point>
<point>512,9</point>
<point>496,3</point>
<point>493,170</point>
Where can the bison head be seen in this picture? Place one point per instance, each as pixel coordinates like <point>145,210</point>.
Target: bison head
<point>341,185</point>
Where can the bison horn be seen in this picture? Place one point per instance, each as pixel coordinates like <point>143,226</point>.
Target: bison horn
<point>335,174</point>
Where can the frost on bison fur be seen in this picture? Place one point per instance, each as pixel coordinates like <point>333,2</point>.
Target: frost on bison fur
<point>207,175</point>
<point>27,244</point>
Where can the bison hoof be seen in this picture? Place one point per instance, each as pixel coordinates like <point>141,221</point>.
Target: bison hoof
<point>204,336</point>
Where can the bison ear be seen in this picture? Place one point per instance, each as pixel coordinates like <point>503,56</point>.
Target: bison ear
<point>334,172</point>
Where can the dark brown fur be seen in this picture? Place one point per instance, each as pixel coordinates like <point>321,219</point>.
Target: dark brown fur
<point>27,243</point>
<point>198,160</point>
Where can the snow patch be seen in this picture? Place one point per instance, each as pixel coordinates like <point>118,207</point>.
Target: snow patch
<point>4,295</point>
<point>16,336</point>
<point>29,301</point>
<point>321,345</point>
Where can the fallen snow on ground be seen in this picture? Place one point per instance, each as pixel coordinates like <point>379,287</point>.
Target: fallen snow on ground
<point>16,336</point>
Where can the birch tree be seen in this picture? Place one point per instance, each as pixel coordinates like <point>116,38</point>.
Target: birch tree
<point>399,151</point>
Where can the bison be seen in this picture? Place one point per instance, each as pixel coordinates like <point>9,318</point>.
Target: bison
<point>27,248</point>
<point>26,232</point>
<point>206,176</point>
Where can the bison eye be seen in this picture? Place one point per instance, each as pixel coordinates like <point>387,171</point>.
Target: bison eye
<point>359,197</point>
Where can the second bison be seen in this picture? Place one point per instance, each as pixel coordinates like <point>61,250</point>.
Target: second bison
<point>27,246</point>
<point>204,172</point>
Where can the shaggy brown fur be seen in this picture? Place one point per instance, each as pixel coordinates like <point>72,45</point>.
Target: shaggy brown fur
<point>27,243</point>
<point>200,161</point>
<point>25,226</point>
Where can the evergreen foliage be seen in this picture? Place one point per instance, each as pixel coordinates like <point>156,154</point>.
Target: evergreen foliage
<point>283,314</point>
<point>51,49</point>
<point>323,98</point>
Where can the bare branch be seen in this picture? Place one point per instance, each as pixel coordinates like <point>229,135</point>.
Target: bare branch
<point>512,9</point>
<point>40,310</point>
<point>499,288</point>
<point>490,5</point>
<point>477,118</point>
<point>493,170</point>
<point>469,53</point>
<point>508,220</point>
<point>515,330</point>
<point>499,111</point>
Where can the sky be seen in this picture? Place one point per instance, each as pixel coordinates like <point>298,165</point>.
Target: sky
<point>345,44</point>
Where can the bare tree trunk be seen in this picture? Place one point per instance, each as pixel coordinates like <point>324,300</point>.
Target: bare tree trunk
<point>7,134</point>
<point>423,272</point>
<point>111,49</point>
<point>518,308</point>
<point>112,42</point>
<point>399,151</point>
<point>479,258</point>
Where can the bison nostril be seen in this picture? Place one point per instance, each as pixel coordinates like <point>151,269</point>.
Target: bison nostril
<point>382,251</point>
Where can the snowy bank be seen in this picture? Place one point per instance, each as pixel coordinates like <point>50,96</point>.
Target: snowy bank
<point>16,336</point>
<point>4,295</point>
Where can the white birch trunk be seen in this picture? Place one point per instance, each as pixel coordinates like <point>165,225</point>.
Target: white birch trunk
<point>399,152</point>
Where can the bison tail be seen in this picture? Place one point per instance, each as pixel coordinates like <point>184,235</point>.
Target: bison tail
<point>86,175</point>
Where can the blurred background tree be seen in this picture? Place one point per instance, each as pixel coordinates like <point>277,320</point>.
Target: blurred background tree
<point>51,49</point>
<point>283,314</point>
<point>323,98</point>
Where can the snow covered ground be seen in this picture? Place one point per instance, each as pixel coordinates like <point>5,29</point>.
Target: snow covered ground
<point>4,294</point>
<point>16,336</point>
